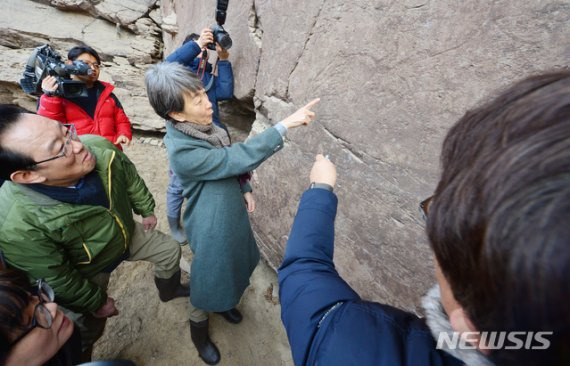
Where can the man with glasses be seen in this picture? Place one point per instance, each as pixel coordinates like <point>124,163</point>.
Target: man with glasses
<point>498,227</point>
<point>67,216</point>
<point>100,113</point>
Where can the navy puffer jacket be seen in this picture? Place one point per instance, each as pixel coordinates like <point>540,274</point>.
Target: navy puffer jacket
<point>327,322</point>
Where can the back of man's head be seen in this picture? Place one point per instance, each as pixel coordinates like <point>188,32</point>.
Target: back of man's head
<point>499,223</point>
<point>11,161</point>
<point>166,85</point>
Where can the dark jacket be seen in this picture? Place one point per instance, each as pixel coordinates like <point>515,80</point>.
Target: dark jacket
<point>223,84</point>
<point>110,120</point>
<point>327,323</point>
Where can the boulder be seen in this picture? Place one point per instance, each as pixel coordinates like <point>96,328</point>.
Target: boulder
<point>123,12</point>
<point>392,76</point>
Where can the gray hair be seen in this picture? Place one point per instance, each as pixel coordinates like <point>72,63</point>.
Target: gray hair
<point>166,84</point>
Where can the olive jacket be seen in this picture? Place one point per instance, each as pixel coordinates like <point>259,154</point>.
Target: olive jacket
<point>67,244</point>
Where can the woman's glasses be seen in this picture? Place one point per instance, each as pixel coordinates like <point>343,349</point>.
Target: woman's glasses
<point>42,316</point>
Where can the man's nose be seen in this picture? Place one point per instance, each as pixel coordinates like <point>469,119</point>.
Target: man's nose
<point>77,146</point>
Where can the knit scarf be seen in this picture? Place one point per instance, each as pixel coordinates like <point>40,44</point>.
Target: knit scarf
<point>211,133</point>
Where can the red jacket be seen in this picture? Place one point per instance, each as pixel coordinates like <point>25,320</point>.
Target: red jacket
<point>110,119</point>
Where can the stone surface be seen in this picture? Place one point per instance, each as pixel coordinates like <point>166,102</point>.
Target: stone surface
<point>123,12</point>
<point>125,55</point>
<point>392,76</point>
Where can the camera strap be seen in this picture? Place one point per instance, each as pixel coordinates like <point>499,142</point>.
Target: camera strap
<point>202,65</point>
<point>202,70</point>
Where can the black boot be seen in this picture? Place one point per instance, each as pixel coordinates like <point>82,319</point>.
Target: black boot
<point>206,349</point>
<point>233,315</point>
<point>170,288</point>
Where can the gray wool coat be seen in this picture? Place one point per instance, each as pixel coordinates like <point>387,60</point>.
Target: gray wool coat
<point>216,219</point>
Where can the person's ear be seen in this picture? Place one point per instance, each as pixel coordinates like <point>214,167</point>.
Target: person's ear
<point>27,177</point>
<point>68,62</point>
<point>177,116</point>
<point>460,321</point>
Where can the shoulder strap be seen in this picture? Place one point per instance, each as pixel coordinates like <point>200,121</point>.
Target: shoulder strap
<point>210,83</point>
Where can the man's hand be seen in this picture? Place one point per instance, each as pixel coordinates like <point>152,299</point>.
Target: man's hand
<point>149,223</point>
<point>323,171</point>
<point>49,84</point>
<point>107,310</point>
<point>123,140</point>
<point>205,37</point>
<point>249,201</point>
<point>223,54</point>
<point>303,116</point>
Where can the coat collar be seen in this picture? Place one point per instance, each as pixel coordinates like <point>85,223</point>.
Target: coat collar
<point>438,322</point>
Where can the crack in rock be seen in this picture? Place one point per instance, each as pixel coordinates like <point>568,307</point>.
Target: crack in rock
<point>254,25</point>
<point>311,32</point>
<point>357,155</point>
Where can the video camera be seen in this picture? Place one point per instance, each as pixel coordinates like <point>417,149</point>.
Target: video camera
<point>220,35</point>
<point>45,61</point>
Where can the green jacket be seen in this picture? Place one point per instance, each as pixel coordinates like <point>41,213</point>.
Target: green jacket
<point>67,244</point>
<point>216,220</point>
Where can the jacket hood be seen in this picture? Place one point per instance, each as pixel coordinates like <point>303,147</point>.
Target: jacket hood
<point>438,322</point>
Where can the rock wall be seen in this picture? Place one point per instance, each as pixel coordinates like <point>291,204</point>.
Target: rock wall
<point>393,76</point>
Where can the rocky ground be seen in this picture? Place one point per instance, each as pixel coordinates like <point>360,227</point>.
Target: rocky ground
<point>150,332</point>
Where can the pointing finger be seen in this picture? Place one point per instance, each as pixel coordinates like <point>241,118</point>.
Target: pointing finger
<point>312,103</point>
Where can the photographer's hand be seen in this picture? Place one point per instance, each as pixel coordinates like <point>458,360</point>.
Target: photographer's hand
<point>123,140</point>
<point>323,171</point>
<point>223,54</point>
<point>205,37</point>
<point>49,85</point>
<point>303,116</point>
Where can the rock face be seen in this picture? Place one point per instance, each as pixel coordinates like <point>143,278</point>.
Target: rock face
<point>122,12</point>
<point>125,51</point>
<point>392,76</point>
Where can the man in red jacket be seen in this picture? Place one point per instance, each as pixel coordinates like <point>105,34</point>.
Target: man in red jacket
<point>100,113</point>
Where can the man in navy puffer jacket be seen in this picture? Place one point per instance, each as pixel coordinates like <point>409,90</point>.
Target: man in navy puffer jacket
<point>498,227</point>
<point>326,321</point>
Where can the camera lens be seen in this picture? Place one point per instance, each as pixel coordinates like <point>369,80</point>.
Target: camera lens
<point>224,40</point>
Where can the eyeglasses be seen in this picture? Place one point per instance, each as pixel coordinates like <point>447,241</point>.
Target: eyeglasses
<point>65,149</point>
<point>42,316</point>
<point>424,207</point>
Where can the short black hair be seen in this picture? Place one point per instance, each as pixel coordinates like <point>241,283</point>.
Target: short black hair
<point>11,161</point>
<point>498,223</point>
<point>191,37</point>
<point>74,53</point>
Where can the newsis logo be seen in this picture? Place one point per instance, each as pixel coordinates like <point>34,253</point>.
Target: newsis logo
<point>494,340</point>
